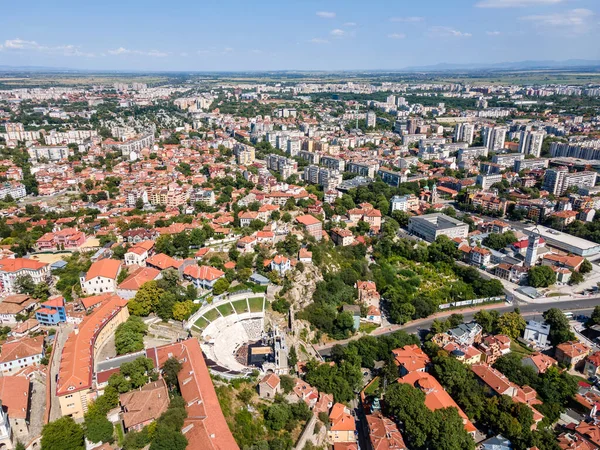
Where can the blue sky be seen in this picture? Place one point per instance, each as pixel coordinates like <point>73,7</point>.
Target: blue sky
<point>291,34</point>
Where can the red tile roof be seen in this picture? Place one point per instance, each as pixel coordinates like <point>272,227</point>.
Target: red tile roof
<point>14,392</point>
<point>105,268</point>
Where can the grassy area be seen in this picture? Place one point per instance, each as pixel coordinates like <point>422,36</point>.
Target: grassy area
<point>256,304</point>
<point>225,309</point>
<point>373,387</point>
<point>119,431</point>
<point>212,314</point>
<point>554,294</point>
<point>367,328</point>
<point>517,348</point>
<point>201,323</point>
<point>240,306</point>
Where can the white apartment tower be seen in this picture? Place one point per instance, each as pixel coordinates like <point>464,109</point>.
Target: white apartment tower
<point>530,143</point>
<point>532,246</point>
<point>464,133</point>
<point>493,137</point>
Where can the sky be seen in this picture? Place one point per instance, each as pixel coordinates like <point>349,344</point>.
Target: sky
<point>236,35</point>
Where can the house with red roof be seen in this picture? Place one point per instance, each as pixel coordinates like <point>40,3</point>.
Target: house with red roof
<point>312,225</point>
<point>21,353</point>
<point>281,265</point>
<point>384,433</point>
<point>203,277</point>
<point>101,277</point>
<point>342,427</point>
<point>410,358</point>
<point>15,394</point>
<point>572,353</point>
<point>142,407</point>
<point>591,367</point>
<point>161,261</point>
<point>269,386</point>
<point>134,281</point>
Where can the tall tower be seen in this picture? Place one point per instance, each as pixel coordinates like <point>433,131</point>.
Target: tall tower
<point>434,194</point>
<point>532,246</point>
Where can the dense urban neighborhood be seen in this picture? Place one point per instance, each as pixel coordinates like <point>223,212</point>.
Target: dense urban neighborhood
<point>378,261</point>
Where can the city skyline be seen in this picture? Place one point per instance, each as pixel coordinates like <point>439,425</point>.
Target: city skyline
<point>313,35</point>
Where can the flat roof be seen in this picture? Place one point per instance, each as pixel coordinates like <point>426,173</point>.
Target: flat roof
<point>569,239</point>
<point>439,220</point>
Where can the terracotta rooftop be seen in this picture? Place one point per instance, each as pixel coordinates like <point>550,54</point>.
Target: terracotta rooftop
<point>146,404</point>
<point>383,433</point>
<point>138,277</point>
<point>76,362</point>
<point>207,273</point>
<point>22,348</point>
<point>16,264</point>
<point>307,220</point>
<point>411,357</point>
<point>105,268</point>
<point>205,427</point>
<point>14,392</point>
<point>163,261</point>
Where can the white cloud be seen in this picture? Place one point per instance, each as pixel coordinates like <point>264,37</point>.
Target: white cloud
<point>318,41</point>
<point>411,19</point>
<point>396,36</point>
<point>493,33</point>
<point>515,3</point>
<point>203,52</point>
<point>350,24</point>
<point>256,51</point>
<point>326,14</point>
<point>126,51</point>
<point>184,54</point>
<point>227,50</point>
<point>447,32</point>
<point>337,32</point>
<point>33,46</point>
<point>577,20</point>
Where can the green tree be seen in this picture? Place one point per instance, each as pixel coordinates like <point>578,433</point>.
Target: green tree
<point>146,299</point>
<point>221,285</point>
<point>62,434</point>
<point>560,331</point>
<point>541,276</point>
<point>129,336</point>
<point>170,369</point>
<point>167,439</point>
<point>98,428</point>
<point>511,324</point>
<point>586,267</point>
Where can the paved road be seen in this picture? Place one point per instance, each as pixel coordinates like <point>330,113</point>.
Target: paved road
<point>531,311</point>
<point>62,333</point>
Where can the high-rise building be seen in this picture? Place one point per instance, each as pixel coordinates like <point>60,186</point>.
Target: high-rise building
<point>464,133</point>
<point>493,137</point>
<point>558,180</point>
<point>371,119</point>
<point>530,143</point>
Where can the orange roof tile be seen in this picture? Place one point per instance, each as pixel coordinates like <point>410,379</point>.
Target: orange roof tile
<point>105,268</point>
<point>14,392</point>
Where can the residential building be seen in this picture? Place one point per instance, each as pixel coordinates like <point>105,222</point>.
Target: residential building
<point>161,261</point>
<point>203,277</point>
<point>558,180</point>
<point>52,312</point>
<point>493,137</point>
<point>14,305</point>
<point>21,353</point>
<point>572,353</point>
<point>15,392</point>
<point>101,277</point>
<point>404,203</point>
<point>564,241</point>
<point>539,362</point>
<point>464,132</point>
<point>74,382</point>
<point>530,142</point>
<point>486,181</point>
<point>410,358</point>
<point>536,333</point>
<point>430,226</point>
<point>139,253</point>
<point>313,226</point>
<point>592,365</point>
<point>135,280</point>
<point>342,236</point>
<point>342,427</point>
<point>281,265</point>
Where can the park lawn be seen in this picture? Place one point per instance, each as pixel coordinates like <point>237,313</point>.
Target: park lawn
<point>201,323</point>
<point>256,304</point>
<point>367,328</point>
<point>225,309</point>
<point>212,314</point>
<point>240,306</point>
